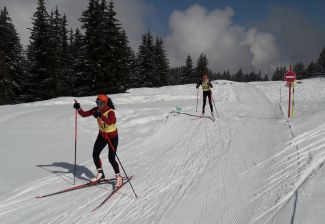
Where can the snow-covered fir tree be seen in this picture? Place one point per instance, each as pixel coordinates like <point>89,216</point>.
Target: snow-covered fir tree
<point>11,61</point>
<point>78,77</point>
<point>239,76</point>
<point>60,54</point>
<point>299,69</point>
<point>41,57</point>
<point>202,66</point>
<point>278,74</point>
<point>311,69</point>
<point>161,63</point>
<point>321,61</point>
<point>107,54</point>
<point>152,62</point>
<point>188,71</point>
<point>146,62</point>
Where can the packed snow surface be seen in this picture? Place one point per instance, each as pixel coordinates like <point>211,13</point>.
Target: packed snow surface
<point>252,165</point>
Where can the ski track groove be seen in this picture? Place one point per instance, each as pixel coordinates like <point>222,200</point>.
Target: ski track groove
<point>148,210</point>
<point>208,149</point>
<point>205,205</point>
<point>190,160</point>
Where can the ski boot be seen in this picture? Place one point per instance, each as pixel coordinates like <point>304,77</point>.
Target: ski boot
<point>212,115</point>
<point>99,177</point>
<point>203,112</point>
<point>119,180</point>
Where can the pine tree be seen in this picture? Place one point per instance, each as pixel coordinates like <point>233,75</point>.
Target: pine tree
<point>188,71</point>
<point>108,79</point>
<point>92,20</point>
<point>40,56</point>
<point>161,64</point>
<point>321,62</point>
<point>259,76</point>
<point>79,79</point>
<point>299,69</point>
<point>64,81</point>
<point>217,76</point>
<point>202,66</point>
<point>58,49</point>
<point>278,74</point>
<point>226,75</point>
<point>311,70</point>
<point>252,77</point>
<point>239,76</point>
<point>107,54</point>
<point>118,54</point>
<point>124,57</point>
<point>146,61</point>
<point>175,75</point>
<point>133,70</point>
<point>11,61</point>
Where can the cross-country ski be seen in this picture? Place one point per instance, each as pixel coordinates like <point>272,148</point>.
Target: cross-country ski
<point>111,194</point>
<point>81,186</point>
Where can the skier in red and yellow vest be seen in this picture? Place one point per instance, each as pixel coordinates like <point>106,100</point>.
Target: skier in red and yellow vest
<point>108,134</point>
<point>206,87</point>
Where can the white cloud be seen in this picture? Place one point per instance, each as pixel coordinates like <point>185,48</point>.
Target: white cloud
<point>226,45</point>
<point>263,49</point>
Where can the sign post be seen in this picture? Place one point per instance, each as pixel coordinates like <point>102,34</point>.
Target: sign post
<point>290,77</point>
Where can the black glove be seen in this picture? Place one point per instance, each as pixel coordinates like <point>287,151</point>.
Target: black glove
<point>97,114</point>
<point>76,106</point>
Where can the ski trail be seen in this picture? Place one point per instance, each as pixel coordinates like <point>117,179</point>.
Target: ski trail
<point>209,153</point>
<point>188,171</point>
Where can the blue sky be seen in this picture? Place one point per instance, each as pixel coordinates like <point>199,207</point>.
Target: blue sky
<point>252,35</point>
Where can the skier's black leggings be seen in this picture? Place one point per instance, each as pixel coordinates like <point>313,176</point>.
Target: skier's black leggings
<point>100,144</point>
<point>205,95</point>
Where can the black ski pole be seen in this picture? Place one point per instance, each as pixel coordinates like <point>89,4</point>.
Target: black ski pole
<point>215,106</point>
<point>197,98</point>
<point>75,145</point>
<point>109,141</point>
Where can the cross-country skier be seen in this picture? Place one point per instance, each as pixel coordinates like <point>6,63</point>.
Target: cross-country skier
<point>105,115</point>
<point>206,87</point>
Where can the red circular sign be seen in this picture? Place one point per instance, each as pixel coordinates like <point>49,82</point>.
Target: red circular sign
<point>290,76</point>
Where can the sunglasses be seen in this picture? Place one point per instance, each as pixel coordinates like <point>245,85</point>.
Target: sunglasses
<point>99,103</point>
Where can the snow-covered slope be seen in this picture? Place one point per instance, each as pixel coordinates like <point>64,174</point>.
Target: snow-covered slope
<point>252,165</point>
